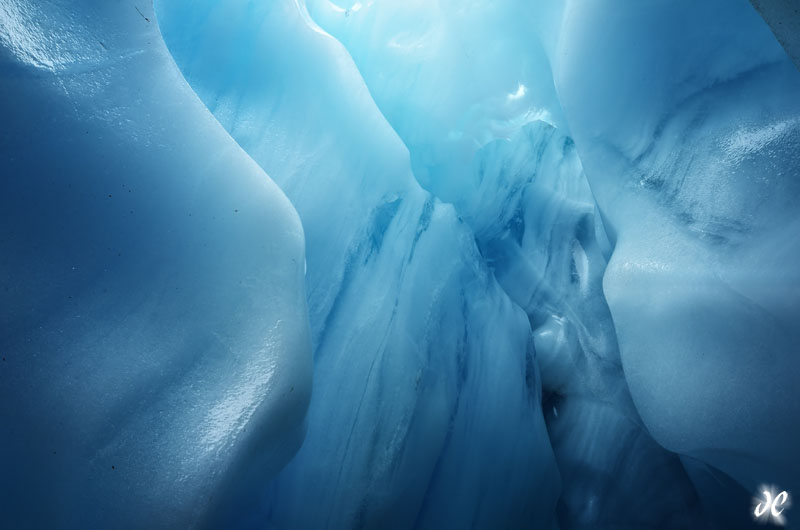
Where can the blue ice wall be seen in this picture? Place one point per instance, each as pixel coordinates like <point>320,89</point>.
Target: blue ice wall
<point>471,115</point>
<point>153,324</point>
<point>543,253</point>
<point>478,109</point>
<point>690,145</point>
<point>426,395</point>
<point>692,148</point>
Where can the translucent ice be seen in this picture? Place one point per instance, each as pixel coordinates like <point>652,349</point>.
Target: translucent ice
<point>153,324</point>
<point>426,395</point>
<point>692,148</point>
<point>546,263</point>
<point>519,184</point>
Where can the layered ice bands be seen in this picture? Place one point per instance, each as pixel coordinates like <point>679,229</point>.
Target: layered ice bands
<point>544,254</point>
<point>692,148</point>
<point>153,326</point>
<point>465,85</point>
<point>426,393</point>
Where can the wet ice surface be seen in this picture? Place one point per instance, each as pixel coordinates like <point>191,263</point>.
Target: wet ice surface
<point>548,264</point>
<point>154,334</point>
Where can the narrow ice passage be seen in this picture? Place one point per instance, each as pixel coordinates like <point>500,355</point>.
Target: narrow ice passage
<point>540,257</point>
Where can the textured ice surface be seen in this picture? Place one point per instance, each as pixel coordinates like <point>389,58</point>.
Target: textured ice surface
<point>783,17</point>
<point>469,113</point>
<point>426,396</point>
<point>153,324</point>
<point>692,148</point>
<point>449,76</point>
<point>549,270</point>
<point>522,190</point>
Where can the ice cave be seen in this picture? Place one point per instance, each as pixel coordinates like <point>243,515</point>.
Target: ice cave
<point>399,264</point>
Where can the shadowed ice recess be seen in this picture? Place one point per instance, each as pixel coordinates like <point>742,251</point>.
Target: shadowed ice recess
<point>539,257</point>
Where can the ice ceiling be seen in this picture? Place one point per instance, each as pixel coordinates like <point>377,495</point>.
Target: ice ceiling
<point>396,264</point>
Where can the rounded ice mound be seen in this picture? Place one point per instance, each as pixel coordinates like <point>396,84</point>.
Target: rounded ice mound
<point>154,329</point>
<point>692,149</point>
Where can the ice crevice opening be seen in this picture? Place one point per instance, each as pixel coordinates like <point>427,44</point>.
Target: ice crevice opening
<point>530,303</point>
<point>488,134</point>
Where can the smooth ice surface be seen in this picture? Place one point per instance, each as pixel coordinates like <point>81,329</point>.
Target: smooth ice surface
<point>153,324</point>
<point>450,76</point>
<point>470,115</point>
<point>426,396</point>
<point>522,190</point>
<point>692,148</point>
<point>549,275</point>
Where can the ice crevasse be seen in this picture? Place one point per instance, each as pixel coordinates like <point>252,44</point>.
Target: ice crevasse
<point>543,254</point>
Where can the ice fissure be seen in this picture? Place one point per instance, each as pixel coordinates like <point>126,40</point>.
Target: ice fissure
<point>546,248</point>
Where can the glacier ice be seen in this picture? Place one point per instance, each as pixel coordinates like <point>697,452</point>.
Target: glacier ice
<point>153,324</point>
<point>783,18</point>
<point>416,346</point>
<point>546,264</point>
<point>692,148</point>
